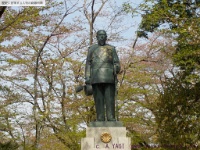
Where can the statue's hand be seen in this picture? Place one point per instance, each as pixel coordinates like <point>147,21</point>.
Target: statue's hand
<point>87,81</point>
<point>116,69</point>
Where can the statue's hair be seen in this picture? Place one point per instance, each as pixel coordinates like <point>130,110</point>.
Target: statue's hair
<point>99,31</point>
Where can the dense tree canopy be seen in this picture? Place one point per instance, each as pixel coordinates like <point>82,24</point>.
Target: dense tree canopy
<point>179,103</point>
<point>182,20</point>
<point>178,114</point>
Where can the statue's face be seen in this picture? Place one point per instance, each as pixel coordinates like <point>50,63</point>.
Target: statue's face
<point>101,38</point>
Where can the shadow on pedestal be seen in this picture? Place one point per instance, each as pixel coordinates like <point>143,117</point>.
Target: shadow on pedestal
<point>106,124</point>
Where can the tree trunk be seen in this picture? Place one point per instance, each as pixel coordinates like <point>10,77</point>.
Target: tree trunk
<point>2,10</point>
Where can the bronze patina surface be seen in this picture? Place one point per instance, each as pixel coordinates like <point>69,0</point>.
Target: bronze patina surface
<point>102,67</point>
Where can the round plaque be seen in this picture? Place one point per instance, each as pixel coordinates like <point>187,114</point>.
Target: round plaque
<point>106,137</point>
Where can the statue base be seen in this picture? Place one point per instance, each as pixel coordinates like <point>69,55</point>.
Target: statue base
<point>106,135</point>
<point>106,124</point>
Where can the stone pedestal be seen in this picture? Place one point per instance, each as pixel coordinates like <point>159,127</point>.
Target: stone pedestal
<point>106,136</point>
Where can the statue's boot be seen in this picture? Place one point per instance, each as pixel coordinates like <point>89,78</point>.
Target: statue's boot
<point>100,116</point>
<point>111,117</point>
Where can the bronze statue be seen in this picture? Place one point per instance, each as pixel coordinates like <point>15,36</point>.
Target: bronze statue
<point>102,67</point>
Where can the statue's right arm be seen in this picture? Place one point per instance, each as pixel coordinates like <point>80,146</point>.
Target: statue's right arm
<point>87,67</point>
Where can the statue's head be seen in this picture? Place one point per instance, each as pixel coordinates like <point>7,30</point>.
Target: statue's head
<point>101,37</point>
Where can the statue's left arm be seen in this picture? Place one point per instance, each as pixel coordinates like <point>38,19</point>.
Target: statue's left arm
<point>116,62</point>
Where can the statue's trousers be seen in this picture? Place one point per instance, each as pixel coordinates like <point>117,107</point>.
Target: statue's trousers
<point>104,94</point>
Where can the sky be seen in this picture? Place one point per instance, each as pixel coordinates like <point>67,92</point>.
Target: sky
<point>129,20</point>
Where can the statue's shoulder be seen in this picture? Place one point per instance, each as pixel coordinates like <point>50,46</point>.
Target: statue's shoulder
<point>92,47</point>
<point>110,46</point>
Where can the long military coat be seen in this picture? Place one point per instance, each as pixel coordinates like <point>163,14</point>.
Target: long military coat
<point>102,64</point>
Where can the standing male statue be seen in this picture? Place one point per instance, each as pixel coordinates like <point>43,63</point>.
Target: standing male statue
<point>102,67</point>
